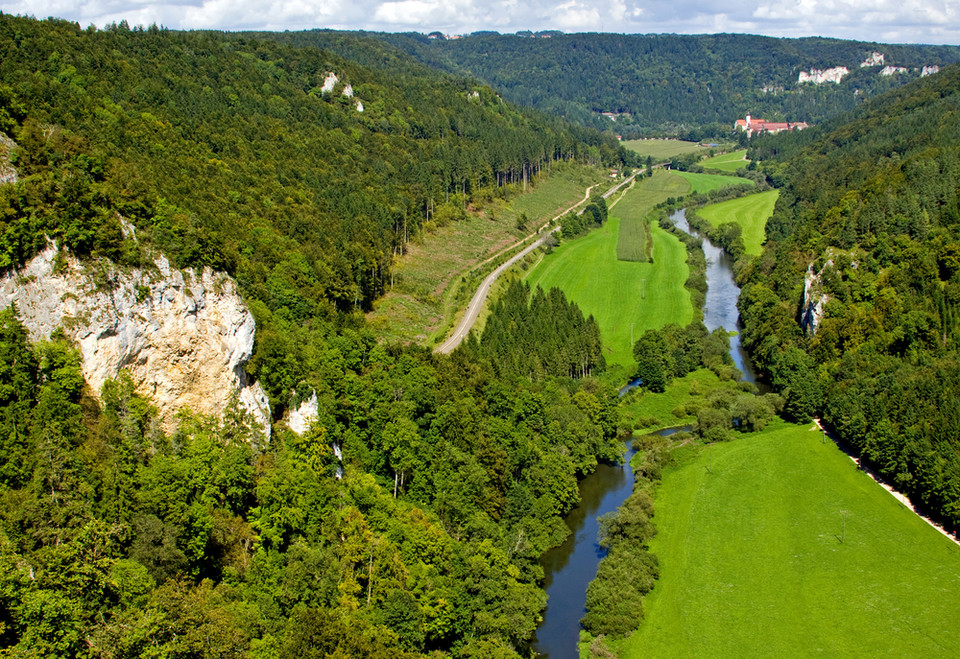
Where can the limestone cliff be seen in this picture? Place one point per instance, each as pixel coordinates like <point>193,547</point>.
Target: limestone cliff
<point>819,77</point>
<point>183,337</point>
<point>814,300</point>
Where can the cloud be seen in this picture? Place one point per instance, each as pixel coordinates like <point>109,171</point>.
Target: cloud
<point>918,21</point>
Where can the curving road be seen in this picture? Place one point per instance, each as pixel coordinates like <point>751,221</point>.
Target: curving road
<point>476,302</point>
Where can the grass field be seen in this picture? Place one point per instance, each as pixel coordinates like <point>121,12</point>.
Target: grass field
<point>728,162</point>
<point>665,149</point>
<point>757,560</point>
<point>708,182</point>
<point>649,411</point>
<point>424,299</point>
<point>634,242</point>
<point>750,212</point>
<point>626,298</point>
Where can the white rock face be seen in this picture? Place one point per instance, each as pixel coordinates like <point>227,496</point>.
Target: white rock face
<point>7,173</point>
<point>874,59</point>
<point>818,76</point>
<point>814,300</point>
<point>300,419</point>
<point>348,90</point>
<point>929,71</point>
<point>359,106</point>
<point>183,338</point>
<point>890,70</point>
<point>329,83</point>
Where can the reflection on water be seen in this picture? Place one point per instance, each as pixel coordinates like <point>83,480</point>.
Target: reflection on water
<point>720,309</point>
<point>570,567</point>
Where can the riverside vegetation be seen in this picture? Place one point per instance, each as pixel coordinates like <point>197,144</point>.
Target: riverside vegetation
<point>232,151</point>
<point>118,540</point>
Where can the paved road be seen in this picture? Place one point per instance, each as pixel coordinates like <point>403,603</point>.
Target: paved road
<point>476,302</point>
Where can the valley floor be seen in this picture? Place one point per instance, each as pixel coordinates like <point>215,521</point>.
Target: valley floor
<point>775,544</point>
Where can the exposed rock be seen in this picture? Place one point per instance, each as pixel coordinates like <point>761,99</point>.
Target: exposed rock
<point>300,419</point>
<point>7,173</point>
<point>359,106</point>
<point>874,59</point>
<point>929,71</point>
<point>183,338</point>
<point>890,70</point>
<point>348,90</point>
<point>818,76</point>
<point>329,83</point>
<point>814,301</point>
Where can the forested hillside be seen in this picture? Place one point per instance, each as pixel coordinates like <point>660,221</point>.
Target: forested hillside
<point>237,154</point>
<point>664,82</point>
<point>408,521</point>
<point>852,309</point>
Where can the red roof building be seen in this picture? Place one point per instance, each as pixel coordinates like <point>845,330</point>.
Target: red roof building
<point>756,126</point>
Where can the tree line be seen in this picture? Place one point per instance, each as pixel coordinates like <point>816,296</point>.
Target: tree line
<point>873,241</point>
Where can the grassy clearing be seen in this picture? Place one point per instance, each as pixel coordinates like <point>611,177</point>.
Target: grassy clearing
<point>708,182</point>
<point>752,563</point>
<point>728,162</point>
<point>750,212</point>
<point>665,149</point>
<point>427,291</point>
<point>648,411</point>
<point>626,298</point>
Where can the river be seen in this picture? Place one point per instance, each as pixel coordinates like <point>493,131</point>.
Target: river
<point>570,567</point>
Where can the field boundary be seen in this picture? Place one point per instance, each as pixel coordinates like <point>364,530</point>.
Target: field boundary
<point>896,494</point>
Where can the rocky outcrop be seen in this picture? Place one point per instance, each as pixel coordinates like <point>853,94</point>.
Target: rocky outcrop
<point>183,337</point>
<point>300,419</point>
<point>929,71</point>
<point>329,82</point>
<point>874,59</point>
<point>892,70</point>
<point>814,301</point>
<point>819,77</point>
<point>7,173</point>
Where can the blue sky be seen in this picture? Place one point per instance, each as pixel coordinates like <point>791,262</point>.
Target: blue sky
<point>888,21</point>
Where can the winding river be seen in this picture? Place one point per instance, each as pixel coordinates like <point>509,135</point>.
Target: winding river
<point>570,567</point>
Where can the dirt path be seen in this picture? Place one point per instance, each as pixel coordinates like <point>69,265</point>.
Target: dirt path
<point>817,425</point>
<point>472,312</point>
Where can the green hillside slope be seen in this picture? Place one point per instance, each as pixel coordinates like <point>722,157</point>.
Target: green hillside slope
<point>869,213</point>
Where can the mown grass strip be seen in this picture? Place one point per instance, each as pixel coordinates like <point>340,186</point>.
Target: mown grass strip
<point>626,298</point>
<point>775,545</point>
<point>430,280</point>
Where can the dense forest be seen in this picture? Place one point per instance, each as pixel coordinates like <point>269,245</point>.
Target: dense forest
<point>410,519</point>
<point>851,310</point>
<point>246,155</point>
<point>538,335</point>
<point>694,84</point>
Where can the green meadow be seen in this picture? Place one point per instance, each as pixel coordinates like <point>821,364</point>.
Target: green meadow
<point>708,182</point>
<point>775,545</point>
<point>665,149</point>
<point>426,291</point>
<point>626,298</point>
<point>634,242</point>
<point>649,411</point>
<point>750,212</point>
<point>728,162</point>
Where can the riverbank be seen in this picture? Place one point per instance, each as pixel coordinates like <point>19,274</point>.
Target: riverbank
<point>773,544</point>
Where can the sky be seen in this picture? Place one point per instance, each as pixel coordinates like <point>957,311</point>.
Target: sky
<point>886,21</point>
